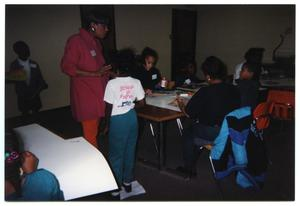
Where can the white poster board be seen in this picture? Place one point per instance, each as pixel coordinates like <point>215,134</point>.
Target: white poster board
<point>79,167</point>
<point>166,101</point>
<point>163,101</point>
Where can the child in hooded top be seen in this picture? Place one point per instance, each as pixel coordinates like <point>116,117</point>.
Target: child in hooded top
<point>122,94</point>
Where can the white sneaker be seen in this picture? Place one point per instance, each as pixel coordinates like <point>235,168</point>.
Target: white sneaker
<point>115,194</point>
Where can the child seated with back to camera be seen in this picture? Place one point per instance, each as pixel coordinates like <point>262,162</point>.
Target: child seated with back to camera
<point>122,95</point>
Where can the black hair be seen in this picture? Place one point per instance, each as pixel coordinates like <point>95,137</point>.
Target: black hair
<point>252,68</point>
<point>214,67</point>
<point>124,61</point>
<point>94,17</point>
<point>13,165</point>
<point>147,51</point>
<point>20,47</point>
<point>190,62</point>
<point>254,55</point>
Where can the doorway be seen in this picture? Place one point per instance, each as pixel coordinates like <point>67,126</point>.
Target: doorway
<point>184,27</point>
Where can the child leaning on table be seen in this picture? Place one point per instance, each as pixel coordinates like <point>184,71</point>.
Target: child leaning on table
<point>23,181</point>
<point>121,95</point>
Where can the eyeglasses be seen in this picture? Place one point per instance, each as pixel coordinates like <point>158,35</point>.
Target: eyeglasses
<point>11,156</point>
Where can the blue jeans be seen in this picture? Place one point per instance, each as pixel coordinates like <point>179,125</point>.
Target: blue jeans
<point>193,138</point>
<point>123,132</point>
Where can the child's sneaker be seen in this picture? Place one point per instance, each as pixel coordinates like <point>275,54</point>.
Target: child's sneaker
<point>127,186</point>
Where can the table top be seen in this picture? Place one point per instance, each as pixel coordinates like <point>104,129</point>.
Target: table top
<point>160,107</point>
<point>157,114</point>
<point>163,101</point>
<point>278,83</point>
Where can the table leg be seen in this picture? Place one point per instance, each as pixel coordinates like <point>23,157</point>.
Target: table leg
<point>153,137</point>
<point>162,147</point>
<point>179,124</point>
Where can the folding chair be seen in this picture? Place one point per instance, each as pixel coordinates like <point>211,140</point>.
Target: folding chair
<point>261,118</point>
<point>283,105</point>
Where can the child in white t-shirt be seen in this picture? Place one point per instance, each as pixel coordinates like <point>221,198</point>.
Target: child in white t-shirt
<point>121,95</point>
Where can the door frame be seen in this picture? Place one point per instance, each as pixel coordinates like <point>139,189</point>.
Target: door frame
<point>173,38</point>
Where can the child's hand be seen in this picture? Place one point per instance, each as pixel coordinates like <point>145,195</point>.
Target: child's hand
<point>178,98</point>
<point>148,92</point>
<point>112,74</point>
<point>181,105</point>
<point>29,162</point>
<point>180,102</point>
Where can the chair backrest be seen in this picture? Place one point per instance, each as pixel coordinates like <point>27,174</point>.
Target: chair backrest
<point>261,115</point>
<point>283,104</point>
<point>281,96</point>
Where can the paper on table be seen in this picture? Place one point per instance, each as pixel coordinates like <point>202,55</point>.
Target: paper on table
<point>80,168</point>
<point>162,102</point>
<point>157,94</point>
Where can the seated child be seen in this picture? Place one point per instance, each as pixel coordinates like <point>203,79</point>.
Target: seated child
<point>207,107</point>
<point>249,88</point>
<point>253,56</point>
<point>31,184</point>
<point>120,97</point>
<point>147,73</point>
<point>187,74</point>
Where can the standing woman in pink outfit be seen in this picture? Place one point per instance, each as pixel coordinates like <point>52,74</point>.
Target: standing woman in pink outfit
<point>84,63</point>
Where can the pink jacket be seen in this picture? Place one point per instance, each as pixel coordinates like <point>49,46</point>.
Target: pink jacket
<point>84,52</point>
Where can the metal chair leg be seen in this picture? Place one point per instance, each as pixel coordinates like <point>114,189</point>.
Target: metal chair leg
<point>217,182</point>
<point>180,127</point>
<point>153,137</point>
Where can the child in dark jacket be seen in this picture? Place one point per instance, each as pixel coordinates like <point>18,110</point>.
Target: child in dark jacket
<point>248,87</point>
<point>147,73</point>
<point>30,84</point>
